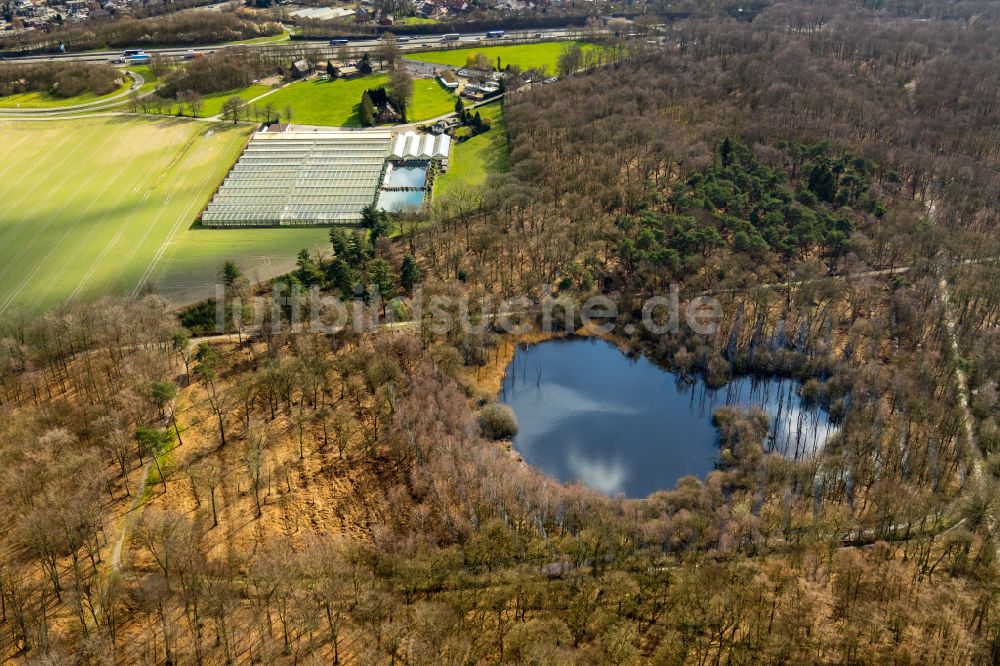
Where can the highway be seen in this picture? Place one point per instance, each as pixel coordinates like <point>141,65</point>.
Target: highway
<point>415,43</point>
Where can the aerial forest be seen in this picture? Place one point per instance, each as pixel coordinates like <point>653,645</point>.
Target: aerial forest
<point>827,172</point>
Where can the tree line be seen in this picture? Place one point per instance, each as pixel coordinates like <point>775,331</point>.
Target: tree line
<point>185,28</point>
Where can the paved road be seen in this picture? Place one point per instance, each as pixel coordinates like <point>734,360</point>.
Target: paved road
<point>414,44</point>
<point>107,103</point>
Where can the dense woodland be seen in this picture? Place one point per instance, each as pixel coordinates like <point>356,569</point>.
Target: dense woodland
<point>829,173</point>
<point>228,69</point>
<point>60,79</point>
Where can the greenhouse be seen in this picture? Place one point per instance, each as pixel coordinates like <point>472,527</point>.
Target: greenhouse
<point>413,146</point>
<point>300,179</point>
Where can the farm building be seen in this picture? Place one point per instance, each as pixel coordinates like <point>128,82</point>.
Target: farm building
<point>448,79</point>
<point>347,71</point>
<point>301,69</point>
<point>301,179</point>
<point>276,128</point>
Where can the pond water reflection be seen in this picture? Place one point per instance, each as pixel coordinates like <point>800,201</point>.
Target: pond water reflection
<point>396,201</point>
<point>406,176</point>
<point>620,425</point>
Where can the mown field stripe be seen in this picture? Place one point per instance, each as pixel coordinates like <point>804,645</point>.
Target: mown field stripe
<point>140,207</point>
<point>56,276</point>
<point>25,193</point>
<point>81,212</point>
<point>186,217</point>
<point>95,174</point>
<point>38,233</point>
<point>144,187</point>
<point>10,148</point>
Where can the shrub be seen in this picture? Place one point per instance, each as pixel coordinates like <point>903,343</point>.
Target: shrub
<point>497,421</point>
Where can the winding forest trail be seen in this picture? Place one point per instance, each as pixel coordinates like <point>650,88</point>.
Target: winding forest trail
<point>114,562</point>
<point>961,379</point>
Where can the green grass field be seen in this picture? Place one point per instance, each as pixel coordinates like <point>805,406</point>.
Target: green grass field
<point>103,206</point>
<point>214,102</point>
<point>337,103</point>
<point>191,262</point>
<point>272,39</point>
<point>430,100</point>
<point>45,100</point>
<point>526,56</point>
<point>473,160</point>
<point>151,80</point>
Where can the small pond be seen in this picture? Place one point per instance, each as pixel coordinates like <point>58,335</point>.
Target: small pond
<point>406,176</point>
<point>396,200</point>
<point>624,426</point>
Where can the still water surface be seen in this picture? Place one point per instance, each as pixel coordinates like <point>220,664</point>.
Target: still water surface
<point>395,201</point>
<point>406,176</point>
<point>623,426</point>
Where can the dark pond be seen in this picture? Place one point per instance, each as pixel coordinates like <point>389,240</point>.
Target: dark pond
<point>623,426</point>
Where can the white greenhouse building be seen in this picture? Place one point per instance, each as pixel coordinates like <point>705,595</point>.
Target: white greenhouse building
<point>414,146</point>
<point>301,179</point>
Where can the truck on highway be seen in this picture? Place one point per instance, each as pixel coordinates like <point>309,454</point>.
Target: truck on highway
<point>494,34</point>
<point>450,37</point>
<point>132,57</point>
<point>338,42</point>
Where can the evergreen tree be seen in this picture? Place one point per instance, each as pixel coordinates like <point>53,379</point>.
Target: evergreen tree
<point>376,221</point>
<point>823,183</point>
<point>409,274</point>
<point>230,273</point>
<point>339,241</point>
<point>307,271</point>
<point>381,282</point>
<point>726,152</point>
<point>364,65</point>
<point>367,110</point>
<point>340,277</point>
